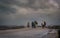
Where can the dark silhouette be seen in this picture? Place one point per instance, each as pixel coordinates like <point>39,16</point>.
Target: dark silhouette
<point>59,33</point>
<point>36,23</point>
<point>43,24</point>
<point>28,25</point>
<point>33,25</point>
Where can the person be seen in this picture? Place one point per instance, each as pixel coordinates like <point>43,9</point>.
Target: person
<point>32,24</point>
<point>28,25</point>
<point>36,23</point>
<point>43,24</point>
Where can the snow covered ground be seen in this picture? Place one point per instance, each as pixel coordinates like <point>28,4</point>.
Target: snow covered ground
<point>29,33</point>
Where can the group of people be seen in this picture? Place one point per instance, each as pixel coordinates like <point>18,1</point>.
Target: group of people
<point>35,23</point>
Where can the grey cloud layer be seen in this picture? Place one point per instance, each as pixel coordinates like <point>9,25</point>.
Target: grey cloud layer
<point>21,11</point>
<point>7,5</point>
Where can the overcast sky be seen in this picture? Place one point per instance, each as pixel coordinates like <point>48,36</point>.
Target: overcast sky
<point>19,12</point>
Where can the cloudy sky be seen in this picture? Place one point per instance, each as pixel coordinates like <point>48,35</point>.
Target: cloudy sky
<point>19,12</point>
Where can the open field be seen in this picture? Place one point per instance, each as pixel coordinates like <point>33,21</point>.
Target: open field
<point>29,33</point>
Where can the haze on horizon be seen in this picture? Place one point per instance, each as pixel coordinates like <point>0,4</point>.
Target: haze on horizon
<point>19,12</point>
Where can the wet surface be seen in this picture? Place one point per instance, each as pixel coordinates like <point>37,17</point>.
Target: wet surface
<point>29,33</point>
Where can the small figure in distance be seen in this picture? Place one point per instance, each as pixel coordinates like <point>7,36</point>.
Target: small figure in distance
<point>36,23</point>
<point>43,24</point>
<point>32,24</point>
<point>28,24</point>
